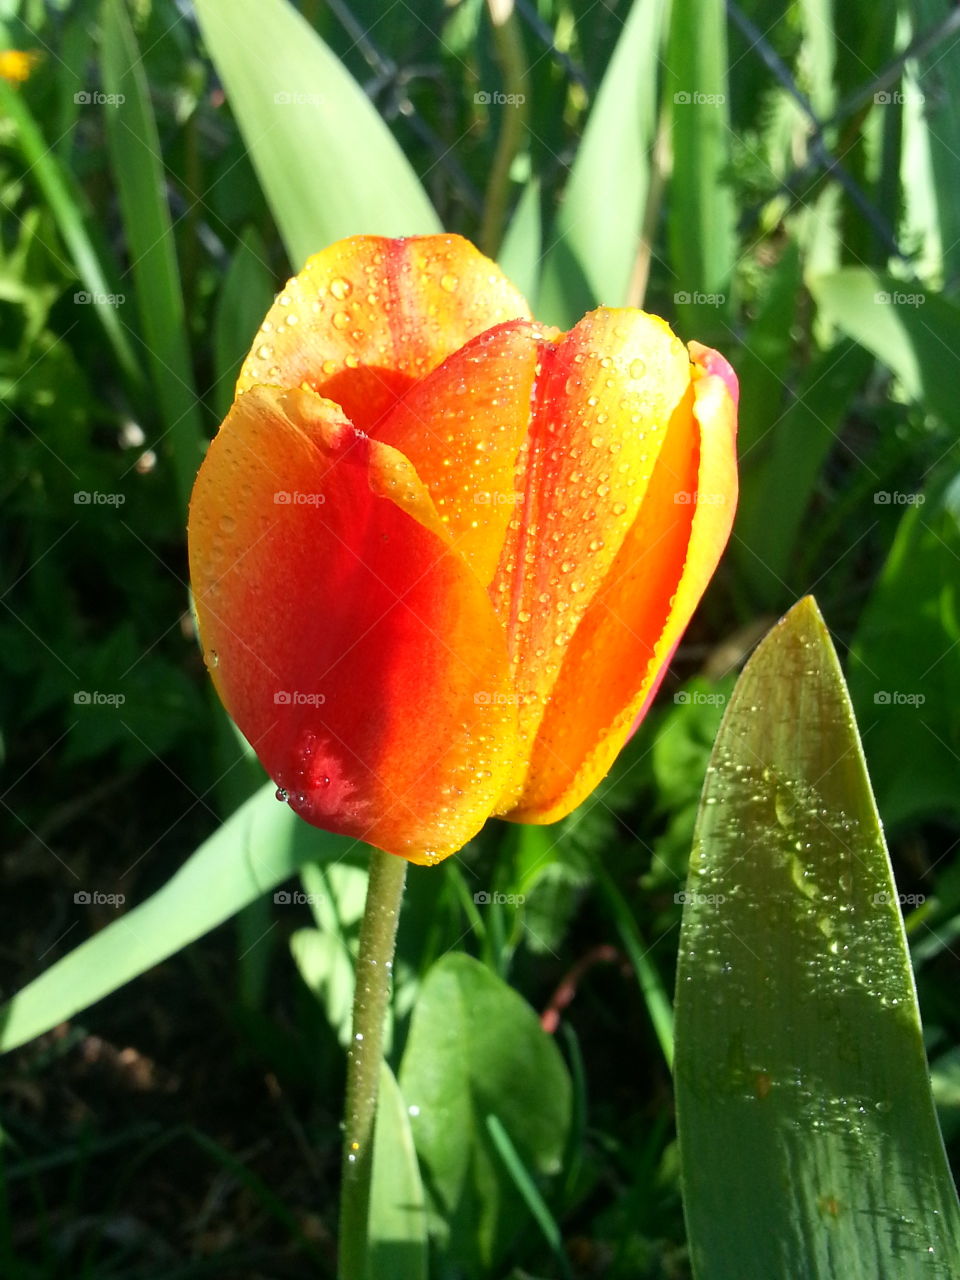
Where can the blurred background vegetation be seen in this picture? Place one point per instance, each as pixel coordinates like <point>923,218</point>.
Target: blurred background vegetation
<point>781,180</point>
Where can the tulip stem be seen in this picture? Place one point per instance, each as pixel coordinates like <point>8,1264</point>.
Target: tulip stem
<point>378,936</point>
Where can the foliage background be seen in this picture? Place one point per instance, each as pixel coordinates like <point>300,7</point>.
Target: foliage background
<point>804,220</point>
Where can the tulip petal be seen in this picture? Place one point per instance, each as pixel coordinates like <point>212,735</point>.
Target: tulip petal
<point>368,316</point>
<point>621,650</point>
<point>463,428</point>
<point>606,400</point>
<point>348,639</point>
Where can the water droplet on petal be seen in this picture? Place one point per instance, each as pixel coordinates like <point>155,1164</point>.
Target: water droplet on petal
<point>340,289</point>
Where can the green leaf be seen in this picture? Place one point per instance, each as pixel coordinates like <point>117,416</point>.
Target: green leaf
<point>808,1135</point>
<point>53,180</point>
<point>475,1049</point>
<point>245,298</point>
<point>786,473</point>
<point>141,181</point>
<point>912,330</point>
<point>700,202</point>
<point>519,255</point>
<point>328,165</point>
<point>260,846</point>
<point>904,675</point>
<point>397,1242</point>
<point>597,232</point>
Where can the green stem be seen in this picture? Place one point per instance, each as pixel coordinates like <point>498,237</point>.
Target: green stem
<point>513,117</point>
<point>378,936</point>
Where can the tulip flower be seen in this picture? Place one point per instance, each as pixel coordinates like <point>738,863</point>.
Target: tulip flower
<point>442,555</point>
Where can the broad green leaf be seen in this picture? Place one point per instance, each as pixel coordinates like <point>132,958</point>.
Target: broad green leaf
<point>912,330</point>
<point>328,165</point>
<point>475,1049</point>
<point>245,297</point>
<point>808,1135</point>
<point>260,846</point>
<point>700,212</point>
<point>141,181</point>
<point>904,669</point>
<point>397,1242</point>
<point>597,232</point>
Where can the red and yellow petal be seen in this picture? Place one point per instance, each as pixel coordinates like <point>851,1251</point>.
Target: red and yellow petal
<point>347,638</point>
<point>463,428</point>
<point>620,652</point>
<point>369,316</point>
<point>605,403</point>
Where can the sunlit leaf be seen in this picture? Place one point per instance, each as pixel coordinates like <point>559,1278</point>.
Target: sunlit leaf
<point>809,1140</point>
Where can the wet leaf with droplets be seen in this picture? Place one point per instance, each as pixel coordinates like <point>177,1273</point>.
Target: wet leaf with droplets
<point>808,1135</point>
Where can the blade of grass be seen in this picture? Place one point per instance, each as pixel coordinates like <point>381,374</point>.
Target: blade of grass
<point>529,1193</point>
<point>259,847</point>
<point>139,171</point>
<point>700,200</point>
<point>53,180</point>
<point>595,238</point>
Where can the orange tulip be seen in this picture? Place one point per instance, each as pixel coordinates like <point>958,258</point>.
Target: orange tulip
<point>442,555</point>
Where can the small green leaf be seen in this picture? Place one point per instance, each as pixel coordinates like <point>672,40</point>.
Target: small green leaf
<point>259,846</point>
<point>475,1049</point>
<point>328,165</point>
<point>808,1134</point>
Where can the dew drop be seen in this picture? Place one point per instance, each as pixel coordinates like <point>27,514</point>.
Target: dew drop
<point>282,794</point>
<point>340,320</point>
<point>340,289</point>
<point>637,368</point>
<point>449,283</point>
